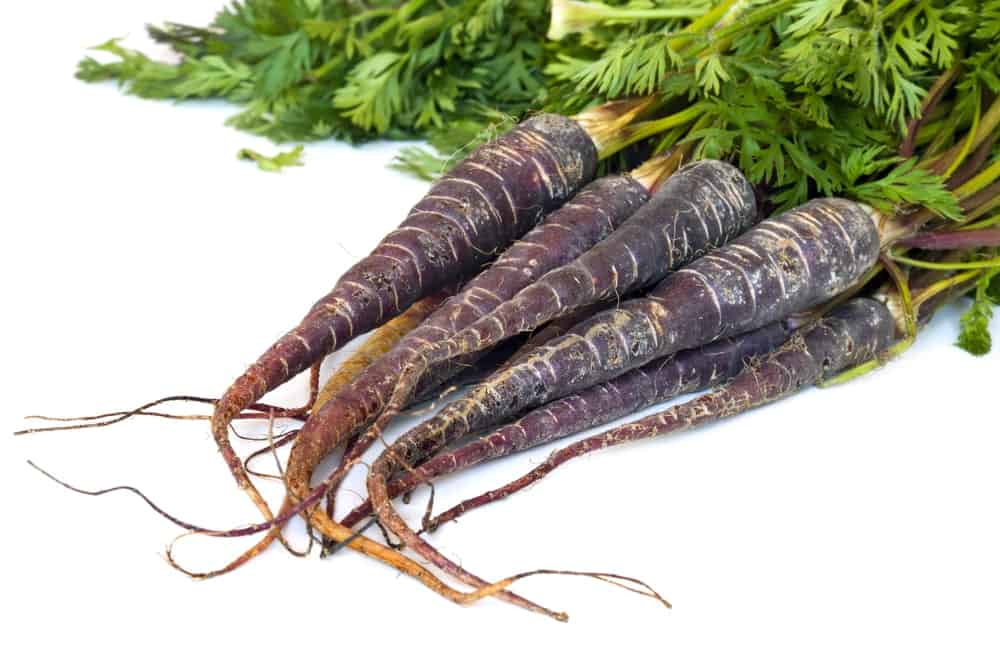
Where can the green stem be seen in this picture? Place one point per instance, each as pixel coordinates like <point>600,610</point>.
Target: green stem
<point>626,13</point>
<point>754,18</point>
<point>670,139</point>
<point>980,181</point>
<point>929,131</point>
<point>932,109</point>
<point>909,313</point>
<point>892,8</point>
<point>987,124</point>
<point>947,266</point>
<point>326,67</point>
<point>640,131</point>
<point>712,17</point>
<point>570,16</point>
<point>945,284</point>
<point>983,224</point>
<point>707,22</point>
<point>865,368</point>
<point>940,141</point>
<point>967,144</point>
<point>676,135</point>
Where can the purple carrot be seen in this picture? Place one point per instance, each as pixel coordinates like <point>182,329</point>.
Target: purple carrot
<point>486,201</point>
<point>786,264</point>
<point>856,332</point>
<point>557,328</point>
<point>656,382</point>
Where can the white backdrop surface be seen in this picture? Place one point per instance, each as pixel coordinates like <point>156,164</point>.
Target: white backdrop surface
<point>856,525</point>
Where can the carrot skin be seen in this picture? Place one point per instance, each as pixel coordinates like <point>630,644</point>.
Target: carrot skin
<point>656,382</point>
<point>556,328</point>
<point>856,332</point>
<point>471,369</point>
<point>461,372</point>
<point>486,201</point>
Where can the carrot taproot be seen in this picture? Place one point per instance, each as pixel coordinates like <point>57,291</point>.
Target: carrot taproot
<point>554,329</point>
<point>856,332</point>
<point>486,201</point>
<point>701,206</point>
<point>505,353</point>
<point>783,265</point>
<point>656,382</point>
<point>456,373</point>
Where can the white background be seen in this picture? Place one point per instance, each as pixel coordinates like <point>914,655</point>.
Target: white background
<point>856,525</point>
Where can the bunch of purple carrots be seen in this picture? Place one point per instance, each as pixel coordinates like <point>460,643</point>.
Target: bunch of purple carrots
<point>569,301</point>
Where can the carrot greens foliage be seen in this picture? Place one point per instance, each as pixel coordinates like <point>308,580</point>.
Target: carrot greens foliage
<point>292,158</point>
<point>784,88</point>
<point>311,69</point>
<point>768,194</point>
<point>975,335</point>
